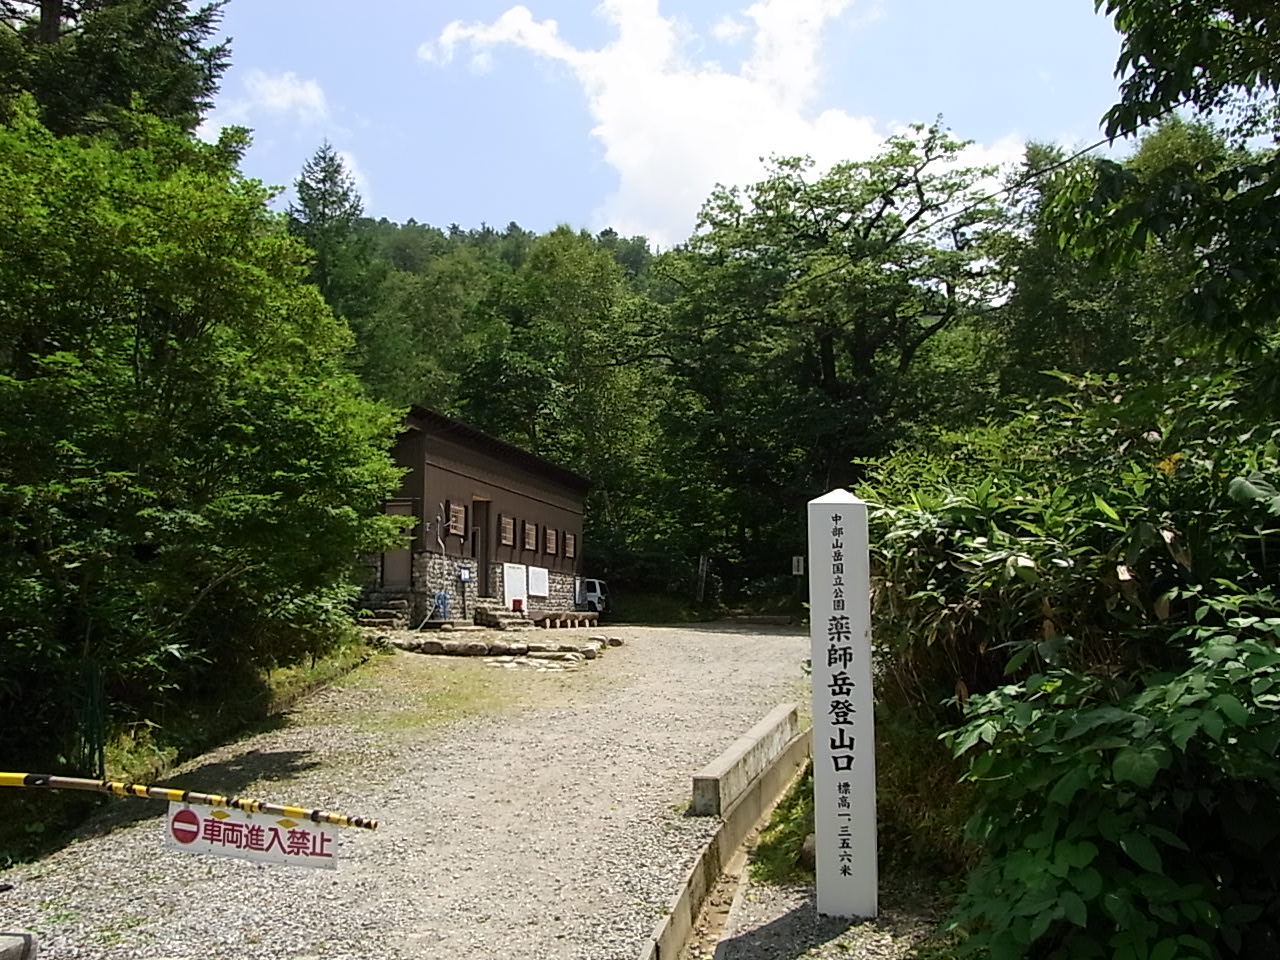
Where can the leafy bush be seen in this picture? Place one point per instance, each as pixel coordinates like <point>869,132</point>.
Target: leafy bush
<point>1137,819</point>
<point>187,470</point>
<point>1088,595</point>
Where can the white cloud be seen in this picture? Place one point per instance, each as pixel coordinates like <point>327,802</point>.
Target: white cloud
<point>729,30</point>
<point>289,94</point>
<point>352,166</point>
<point>673,128</point>
<point>277,95</point>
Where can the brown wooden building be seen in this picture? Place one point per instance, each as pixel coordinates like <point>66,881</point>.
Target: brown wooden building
<point>494,521</point>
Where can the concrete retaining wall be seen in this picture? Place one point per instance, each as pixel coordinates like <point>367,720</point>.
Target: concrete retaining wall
<point>719,784</point>
<point>17,946</point>
<point>672,932</point>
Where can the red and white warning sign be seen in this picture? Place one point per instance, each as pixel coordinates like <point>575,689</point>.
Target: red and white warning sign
<point>268,838</point>
<point>185,825</point>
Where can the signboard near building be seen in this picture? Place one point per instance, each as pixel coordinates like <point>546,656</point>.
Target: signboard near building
<point>266,838</point>
<point>539,582</point>
<point>515,584</point>
<point>844,765</point>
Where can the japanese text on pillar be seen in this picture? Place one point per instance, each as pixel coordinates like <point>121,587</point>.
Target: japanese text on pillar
<point>840,686</point>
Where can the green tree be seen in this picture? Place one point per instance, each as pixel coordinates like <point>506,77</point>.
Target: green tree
<point>428,328</point>
<point>326,215</point>
<point>554,376</point>
<point>800,317</point>
<point>1067,315</point>
<point>1217,57</point>
<point>187,474</point>
<point>85,61</point>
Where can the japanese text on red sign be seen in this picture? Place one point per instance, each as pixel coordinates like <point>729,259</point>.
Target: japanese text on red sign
<point>294,842</point>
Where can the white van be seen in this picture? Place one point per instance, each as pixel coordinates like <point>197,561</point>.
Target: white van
<point>593,595</point>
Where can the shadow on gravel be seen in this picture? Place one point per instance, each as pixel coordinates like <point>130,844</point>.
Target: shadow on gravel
<point>227,777</point>
<point>732,628</point>
<point>791,935</point>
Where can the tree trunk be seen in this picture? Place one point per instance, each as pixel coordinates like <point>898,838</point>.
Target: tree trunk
<point>50,20</point>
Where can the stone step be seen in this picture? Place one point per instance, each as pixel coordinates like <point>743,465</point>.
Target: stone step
<point>380,622</point>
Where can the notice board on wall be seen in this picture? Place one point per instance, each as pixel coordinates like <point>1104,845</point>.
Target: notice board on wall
<point>514,583</point>
<point>539,582</point>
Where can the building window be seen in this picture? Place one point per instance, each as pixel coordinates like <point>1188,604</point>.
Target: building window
<point>570,546</point>
<point>457,520</point>
<point>507,530</point>
<point>550,545</point>
<point>530,536</point>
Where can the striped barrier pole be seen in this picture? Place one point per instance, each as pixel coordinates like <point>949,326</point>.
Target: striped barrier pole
<point>116,788</point>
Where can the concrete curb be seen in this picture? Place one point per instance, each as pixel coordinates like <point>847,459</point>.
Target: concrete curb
<point>18,946</point>
<point>672,932</point>
<point>718,785</point>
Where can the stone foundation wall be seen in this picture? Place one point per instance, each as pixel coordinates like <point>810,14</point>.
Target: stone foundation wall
<point>495,579</point>
<point>561,587</point>
<point>433,572</point>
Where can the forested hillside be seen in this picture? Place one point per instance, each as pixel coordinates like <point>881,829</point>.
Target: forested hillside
<point>1055,383</point>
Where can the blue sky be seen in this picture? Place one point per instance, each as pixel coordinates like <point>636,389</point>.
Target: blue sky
<point>626,113</point>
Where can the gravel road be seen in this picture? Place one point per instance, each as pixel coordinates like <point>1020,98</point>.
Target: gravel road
<point>549,825</point>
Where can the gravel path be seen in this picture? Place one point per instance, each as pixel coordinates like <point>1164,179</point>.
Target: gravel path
<point>551,829</point>
<point>781,923</point>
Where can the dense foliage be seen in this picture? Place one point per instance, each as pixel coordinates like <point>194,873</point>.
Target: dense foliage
<point>1056,394</point>
<point>1094,586</point>
<point>1084,592</point>
<point>187,475</point>
<point>88,61</point>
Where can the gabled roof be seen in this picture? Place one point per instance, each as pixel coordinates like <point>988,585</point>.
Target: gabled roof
<point>438,423</point>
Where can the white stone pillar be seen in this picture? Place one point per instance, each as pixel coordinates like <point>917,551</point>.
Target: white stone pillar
<point>844,753</point>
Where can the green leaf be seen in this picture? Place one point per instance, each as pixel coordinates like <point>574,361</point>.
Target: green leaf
<point>1195,943</point>
<point>1232,708</point>
<point>1073,908</point>
<point>1076,779</point>
<point>1120,909</point>
<point>1105,508</point>
<point>1084,854</point>
<point>1241,913</point>
<point>1135,765</point>
<point>1211,721</point>
<point>1088,882</point>
<point>1183,732</point>
<point>1251,488</point>
<point>1091,719</point>
<point>1142,851</point>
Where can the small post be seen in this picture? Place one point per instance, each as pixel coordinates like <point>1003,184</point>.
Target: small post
<point>464,577</point>
<point>844,764</point>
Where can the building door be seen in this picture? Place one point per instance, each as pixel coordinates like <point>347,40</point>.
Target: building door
<point>480,545</point>
<point>397,565</point>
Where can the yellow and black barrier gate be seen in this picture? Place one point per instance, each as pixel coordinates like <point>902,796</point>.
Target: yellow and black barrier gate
<point>173,795</point>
